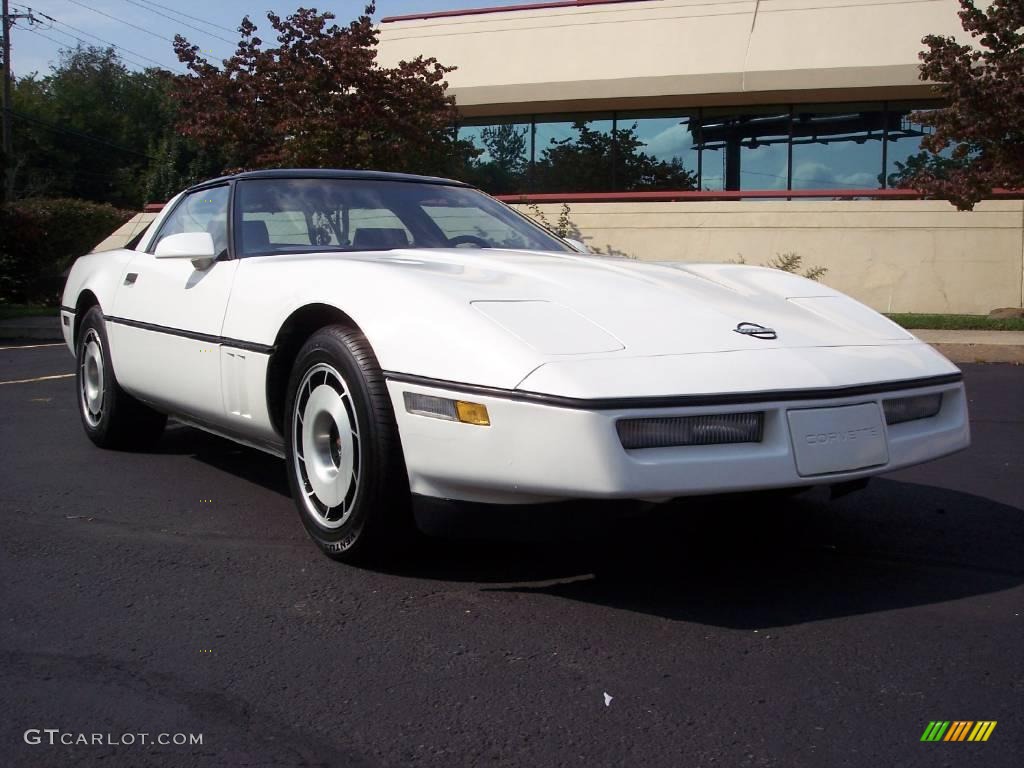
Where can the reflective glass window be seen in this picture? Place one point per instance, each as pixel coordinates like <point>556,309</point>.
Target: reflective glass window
<point>903,149</point>
<point>654,151</point>
<point>837,146</point>
<point>803,147</point>
<point>746,150</point>
<point>574,155</point>
<point>504,160</point>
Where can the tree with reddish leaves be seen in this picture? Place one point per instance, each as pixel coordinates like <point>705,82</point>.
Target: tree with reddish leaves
<point>319,99</point>
<point>977,144</point>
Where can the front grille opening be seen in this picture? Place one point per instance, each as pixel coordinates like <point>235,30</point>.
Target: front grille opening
<point>901,409</point>
<point>674,431</point>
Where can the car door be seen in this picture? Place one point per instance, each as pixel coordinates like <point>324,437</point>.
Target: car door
<point>166,321</point>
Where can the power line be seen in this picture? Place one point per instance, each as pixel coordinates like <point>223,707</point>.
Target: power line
<point>179,21</point>
<point>80,40</point>
<point>6,24</point>
<point>79,134</point>
<point>8,129</point>
<point>194,18</point>
<point>96,37</point>
<point>128,23</point>
<point>63,44</point>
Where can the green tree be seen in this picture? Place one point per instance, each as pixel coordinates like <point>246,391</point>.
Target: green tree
<point>85,129</point>
<point>176,164</point>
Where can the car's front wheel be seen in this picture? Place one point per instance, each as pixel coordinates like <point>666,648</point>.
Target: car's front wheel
<point>345,465</point>
<point>112,418</point>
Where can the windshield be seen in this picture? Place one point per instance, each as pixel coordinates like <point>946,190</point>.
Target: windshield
<point>303,215</point>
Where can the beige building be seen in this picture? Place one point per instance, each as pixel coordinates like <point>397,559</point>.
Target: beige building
<point>716,129</point>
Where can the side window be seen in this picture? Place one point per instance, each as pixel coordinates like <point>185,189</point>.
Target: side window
<point>202,211</point>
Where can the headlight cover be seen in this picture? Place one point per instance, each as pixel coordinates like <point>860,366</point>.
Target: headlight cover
<point>852,315</point>
<point>548,327</point>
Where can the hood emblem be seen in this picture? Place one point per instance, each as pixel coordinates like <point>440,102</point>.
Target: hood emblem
<point>757,331</point>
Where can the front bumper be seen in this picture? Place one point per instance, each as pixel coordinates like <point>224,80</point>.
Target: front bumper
<point>535,452</point>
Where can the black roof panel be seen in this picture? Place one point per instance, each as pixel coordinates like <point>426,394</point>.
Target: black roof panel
<point>331,173</point>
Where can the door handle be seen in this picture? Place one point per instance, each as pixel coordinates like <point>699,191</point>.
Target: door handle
<point>130,278</point>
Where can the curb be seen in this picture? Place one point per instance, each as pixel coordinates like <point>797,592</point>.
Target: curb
<point>30,334</point>
<point>976,346</point>
<point>982,353</point>
<point>32,328</point>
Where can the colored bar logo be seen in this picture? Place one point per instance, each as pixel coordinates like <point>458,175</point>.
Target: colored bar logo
<point>958,730</point>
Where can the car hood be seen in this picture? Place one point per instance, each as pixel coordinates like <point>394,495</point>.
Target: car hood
<point>576,304</point>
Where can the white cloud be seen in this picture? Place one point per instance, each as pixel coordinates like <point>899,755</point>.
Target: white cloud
<point>674,141</point>
<point>813,175</point>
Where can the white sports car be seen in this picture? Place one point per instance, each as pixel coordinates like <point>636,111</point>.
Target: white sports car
<point>397,336</point>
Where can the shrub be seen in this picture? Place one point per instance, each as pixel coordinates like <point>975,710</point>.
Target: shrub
<point>565,227</point>
<point>40,238</point>
<point>792,263</point>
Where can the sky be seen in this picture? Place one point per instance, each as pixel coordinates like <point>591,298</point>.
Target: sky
<point>35,46</point>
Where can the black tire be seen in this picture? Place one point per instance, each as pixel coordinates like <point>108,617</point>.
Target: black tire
<point>334,383</point>
<point>111,417</point>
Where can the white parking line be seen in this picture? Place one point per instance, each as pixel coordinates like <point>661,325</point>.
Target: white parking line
<point>33,346</point>
<point>41,378</point>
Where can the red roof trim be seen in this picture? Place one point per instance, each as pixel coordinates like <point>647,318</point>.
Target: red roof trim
<point>669,196</point>
<point>503,9</point>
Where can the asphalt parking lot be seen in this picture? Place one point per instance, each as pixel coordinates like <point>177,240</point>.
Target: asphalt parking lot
<point>175,592</point>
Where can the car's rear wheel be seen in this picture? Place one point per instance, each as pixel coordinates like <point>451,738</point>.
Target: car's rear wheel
<point>111,417</point>
<point>345,465</point>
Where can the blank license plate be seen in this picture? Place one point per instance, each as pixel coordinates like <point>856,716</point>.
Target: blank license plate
<point>827,440</point>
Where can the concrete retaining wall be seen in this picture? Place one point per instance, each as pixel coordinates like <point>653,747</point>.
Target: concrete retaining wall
<point>896,256</point>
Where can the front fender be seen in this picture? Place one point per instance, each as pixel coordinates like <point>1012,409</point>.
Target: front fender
<point>414,327</point>
<point>100,274</point>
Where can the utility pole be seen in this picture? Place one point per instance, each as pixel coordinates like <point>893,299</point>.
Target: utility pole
<point>8,138</point>
<point>8,143</point>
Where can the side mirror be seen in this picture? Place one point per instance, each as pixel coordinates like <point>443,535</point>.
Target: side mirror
<point>577,245</point>
<point>195,246</point>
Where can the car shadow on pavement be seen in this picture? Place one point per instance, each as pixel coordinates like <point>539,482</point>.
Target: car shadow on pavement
<point>249,464</point>
<point>742,561</point>
<point>756,561</point>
